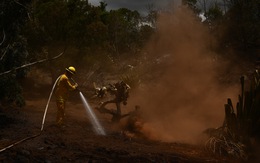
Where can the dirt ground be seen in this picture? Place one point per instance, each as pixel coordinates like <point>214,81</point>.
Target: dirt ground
<point>77,142</point>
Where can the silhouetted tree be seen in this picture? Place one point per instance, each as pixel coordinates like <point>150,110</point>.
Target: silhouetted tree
<point>13,48</point>
<point>243,24</point>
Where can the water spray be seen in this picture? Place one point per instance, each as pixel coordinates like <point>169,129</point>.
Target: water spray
<point>95,123</point>
<point>93,119</point>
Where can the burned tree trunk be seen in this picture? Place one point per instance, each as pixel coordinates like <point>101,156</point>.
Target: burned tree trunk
<point>121,92</point>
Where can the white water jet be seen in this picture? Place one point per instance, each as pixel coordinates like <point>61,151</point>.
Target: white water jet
<point>98,128</point>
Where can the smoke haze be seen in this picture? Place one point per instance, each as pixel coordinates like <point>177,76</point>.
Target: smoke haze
<point>187,97</point>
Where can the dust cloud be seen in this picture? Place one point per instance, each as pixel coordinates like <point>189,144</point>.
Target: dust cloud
<point>186,98</point>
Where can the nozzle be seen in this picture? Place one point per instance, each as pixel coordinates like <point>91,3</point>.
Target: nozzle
<point>73,80</point>
<point>76,84</point>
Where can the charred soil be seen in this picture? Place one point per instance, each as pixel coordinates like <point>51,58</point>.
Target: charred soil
<point>77,142</point>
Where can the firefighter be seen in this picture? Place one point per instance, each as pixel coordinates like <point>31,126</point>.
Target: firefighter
<point>63,87</point>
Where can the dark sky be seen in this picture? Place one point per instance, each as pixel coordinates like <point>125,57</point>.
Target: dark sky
<point>139,5</point>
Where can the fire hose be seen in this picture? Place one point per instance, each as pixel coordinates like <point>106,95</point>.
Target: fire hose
<point>43,121</point>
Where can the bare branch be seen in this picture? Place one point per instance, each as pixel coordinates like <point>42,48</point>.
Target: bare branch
<point>25,8</point>
<point>3,38</point>
<point>20,4</point>
<point>30,64</point>
<point>4,52</point>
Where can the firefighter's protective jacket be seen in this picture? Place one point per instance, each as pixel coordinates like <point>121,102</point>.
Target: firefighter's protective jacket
<point>63,87</point>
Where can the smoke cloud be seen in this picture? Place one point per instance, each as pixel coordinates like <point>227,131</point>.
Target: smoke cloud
<point>187,97</point>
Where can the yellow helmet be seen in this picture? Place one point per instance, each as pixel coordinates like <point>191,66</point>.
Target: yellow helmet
<point>71,70</point>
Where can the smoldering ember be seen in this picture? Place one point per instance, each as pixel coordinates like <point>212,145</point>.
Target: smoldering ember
<point>87,83</point>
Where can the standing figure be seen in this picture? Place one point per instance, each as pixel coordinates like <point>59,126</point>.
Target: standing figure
<point>63,87</point>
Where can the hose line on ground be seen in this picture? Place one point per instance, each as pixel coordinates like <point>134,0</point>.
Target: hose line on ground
<point>43,120</point>
<point>46,108</point>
